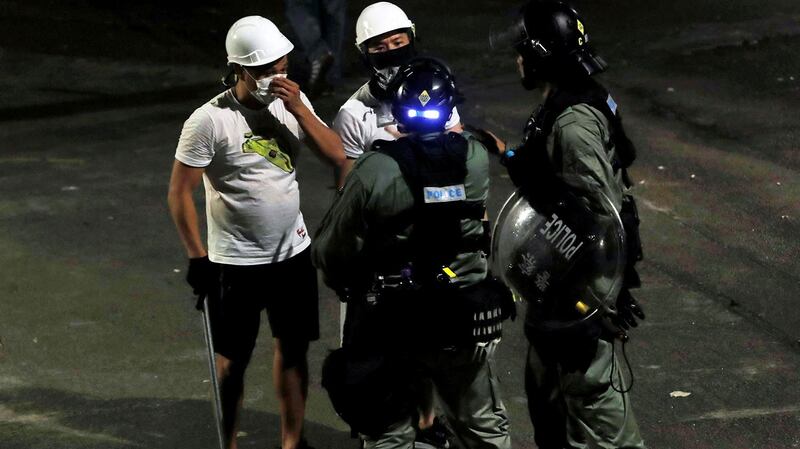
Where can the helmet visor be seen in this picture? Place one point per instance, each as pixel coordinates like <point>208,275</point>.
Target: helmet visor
<point>508,37</point>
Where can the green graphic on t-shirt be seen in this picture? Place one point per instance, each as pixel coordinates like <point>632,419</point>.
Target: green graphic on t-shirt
<point>269,150</point>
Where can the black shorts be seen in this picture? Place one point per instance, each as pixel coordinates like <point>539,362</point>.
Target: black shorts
<point>288,292</point>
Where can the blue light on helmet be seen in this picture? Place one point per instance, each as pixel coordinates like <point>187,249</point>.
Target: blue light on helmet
<point>430,114</point>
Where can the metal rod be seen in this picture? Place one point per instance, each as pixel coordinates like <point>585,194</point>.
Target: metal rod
<point>212,367</point>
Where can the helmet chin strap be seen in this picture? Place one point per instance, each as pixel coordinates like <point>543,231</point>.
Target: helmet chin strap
<point>530,77</point>
<point>560,71</point>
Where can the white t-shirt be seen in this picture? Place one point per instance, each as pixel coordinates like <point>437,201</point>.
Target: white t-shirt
<point>363,119</point>
<point>252,197</point>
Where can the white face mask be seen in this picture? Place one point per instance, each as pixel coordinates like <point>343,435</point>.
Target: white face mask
<point>262,87</point>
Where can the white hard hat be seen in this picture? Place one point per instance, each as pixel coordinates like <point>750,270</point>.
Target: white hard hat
<point>379,18</point>
<point>254,40</point>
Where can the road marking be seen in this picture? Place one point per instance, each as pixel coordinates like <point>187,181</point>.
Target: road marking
<point>48,423</point>
<point>20,160</point>
<point>66,160</point>
<point>711,35</point>
<point>39,160</point>
<point>652,206</point>
<point>10,381</point>
<point>726,415</point>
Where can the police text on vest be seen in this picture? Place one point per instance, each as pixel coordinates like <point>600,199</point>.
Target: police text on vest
<point>445,194</point>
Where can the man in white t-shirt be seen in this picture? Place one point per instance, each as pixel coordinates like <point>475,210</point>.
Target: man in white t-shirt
<point>243,145</point>
<point>385,39</point>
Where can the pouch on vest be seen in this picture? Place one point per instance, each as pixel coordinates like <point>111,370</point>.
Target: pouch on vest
<point>369,391</point>
<point>481,310</point>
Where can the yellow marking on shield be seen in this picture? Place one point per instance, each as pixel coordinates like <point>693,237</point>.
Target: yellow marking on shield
<point>582,307</point>
<point>580,27</point>
<point>269,150</point>
<point>450,273</point>
<point>424,98</point>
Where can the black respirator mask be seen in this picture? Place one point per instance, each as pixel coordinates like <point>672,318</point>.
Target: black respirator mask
<point>385,65</point>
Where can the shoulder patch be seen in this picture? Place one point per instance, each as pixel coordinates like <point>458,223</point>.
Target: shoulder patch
<point>612,104</point>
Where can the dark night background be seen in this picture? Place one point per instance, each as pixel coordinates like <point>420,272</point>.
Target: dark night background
<point>100,345</point>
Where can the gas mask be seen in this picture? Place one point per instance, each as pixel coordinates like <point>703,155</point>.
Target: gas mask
<point>379,83</point>
<point>385,66</point>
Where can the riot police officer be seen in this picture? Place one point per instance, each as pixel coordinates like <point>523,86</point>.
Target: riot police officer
<point>385,38</point>
<point>575,151</point>
<point>404,244</point>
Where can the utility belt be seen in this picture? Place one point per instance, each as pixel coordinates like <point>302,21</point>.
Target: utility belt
<point>402,310</point>
<point>403,282</point>
<point>371,379</point>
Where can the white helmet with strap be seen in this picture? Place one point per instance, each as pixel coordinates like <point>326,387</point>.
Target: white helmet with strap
<point>379,18</point>
<point>255,40</point>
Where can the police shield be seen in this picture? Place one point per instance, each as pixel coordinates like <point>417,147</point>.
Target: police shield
<point>561,256</point>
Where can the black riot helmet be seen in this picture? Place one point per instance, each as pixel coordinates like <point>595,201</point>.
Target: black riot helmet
<point>423,94</point>
<point>553,42</point>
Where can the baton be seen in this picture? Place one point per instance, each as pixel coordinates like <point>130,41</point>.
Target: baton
<point>212,367</point>
<point>342,318</point>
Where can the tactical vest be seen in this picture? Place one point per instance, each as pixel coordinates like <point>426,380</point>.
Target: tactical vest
<point>540,125</point>
<point>435,171</point>
<point>531,167</point>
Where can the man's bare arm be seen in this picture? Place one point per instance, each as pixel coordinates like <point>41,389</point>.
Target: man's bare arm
<point>182,184</point>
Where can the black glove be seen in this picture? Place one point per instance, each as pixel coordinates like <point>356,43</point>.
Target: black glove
<point>483,136</point>
<point>628,310</point>
<point>508,307</point>
<point>203,277</point>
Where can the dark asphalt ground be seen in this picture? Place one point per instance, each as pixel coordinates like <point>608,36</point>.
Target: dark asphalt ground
<point>100,346</point>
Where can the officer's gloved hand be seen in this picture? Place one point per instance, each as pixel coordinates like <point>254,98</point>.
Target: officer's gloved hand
<point>345,294</point>
<point>508,306</point>
<point>492,143</point>
<point>628,310</point>
<point>202,276</point>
